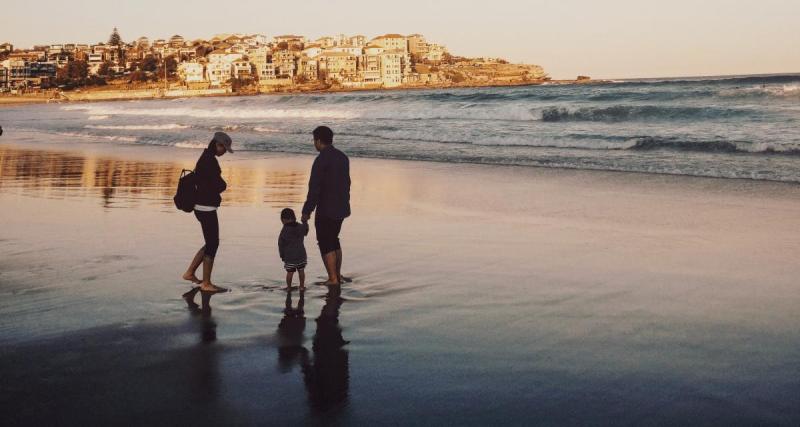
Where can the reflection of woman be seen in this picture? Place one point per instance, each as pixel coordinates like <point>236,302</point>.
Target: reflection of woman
<point>209,186</point>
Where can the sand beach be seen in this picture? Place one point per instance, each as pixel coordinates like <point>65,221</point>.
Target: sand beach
<point>481,294</point>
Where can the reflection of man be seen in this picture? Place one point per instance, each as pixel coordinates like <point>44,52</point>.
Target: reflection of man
<point>329,194</point>
<point>328,378</point>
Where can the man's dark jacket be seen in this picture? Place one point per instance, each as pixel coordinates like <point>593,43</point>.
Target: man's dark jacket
<point>329,185</point>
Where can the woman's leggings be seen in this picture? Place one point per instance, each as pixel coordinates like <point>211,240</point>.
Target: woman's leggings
<point>210,224</point>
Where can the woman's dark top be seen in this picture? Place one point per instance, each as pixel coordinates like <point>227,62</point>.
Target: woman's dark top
<point>209,180</point>
<point>290,243</point>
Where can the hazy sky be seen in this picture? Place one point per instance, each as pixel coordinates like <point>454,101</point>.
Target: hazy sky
<point>604,39</point>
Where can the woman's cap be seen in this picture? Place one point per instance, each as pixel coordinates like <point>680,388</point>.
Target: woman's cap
<point>223,139</point>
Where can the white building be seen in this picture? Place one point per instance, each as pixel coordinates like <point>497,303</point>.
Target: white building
<point>312,51</point>
<point>392,67</point>
<point>391,42</point>
<point>191,72</point>
<point>218,73</point>
<point>220,55</point>
<point>242,69</point>
<point>265,71</point>
<point>435,53</point>
<point>352,50</point>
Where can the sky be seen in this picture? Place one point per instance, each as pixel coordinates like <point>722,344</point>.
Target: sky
<point>602,39</point>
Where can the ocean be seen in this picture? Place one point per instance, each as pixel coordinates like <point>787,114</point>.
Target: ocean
<point>726,127</point>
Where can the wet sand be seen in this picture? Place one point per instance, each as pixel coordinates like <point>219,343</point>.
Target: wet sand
<point>481,295</point>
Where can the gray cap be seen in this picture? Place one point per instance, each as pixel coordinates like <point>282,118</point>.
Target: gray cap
<point>223,139</point>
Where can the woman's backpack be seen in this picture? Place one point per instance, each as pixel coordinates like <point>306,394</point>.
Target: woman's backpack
<point>186,195</point>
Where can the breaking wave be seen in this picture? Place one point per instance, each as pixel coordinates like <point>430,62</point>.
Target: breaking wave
<point>620,113</point>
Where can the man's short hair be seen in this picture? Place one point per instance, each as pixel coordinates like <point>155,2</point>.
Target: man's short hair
<point>324,135</point>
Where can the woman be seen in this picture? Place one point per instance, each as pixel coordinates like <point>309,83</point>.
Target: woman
<point>209,186</point>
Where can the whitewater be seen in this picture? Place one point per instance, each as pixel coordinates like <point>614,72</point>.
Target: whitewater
<point>735,127</point>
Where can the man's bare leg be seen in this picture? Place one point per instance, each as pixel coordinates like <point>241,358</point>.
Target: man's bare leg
<point>330,259</point>
<point>339,265</point>
<point>302,275</point>
<point>191,272</point>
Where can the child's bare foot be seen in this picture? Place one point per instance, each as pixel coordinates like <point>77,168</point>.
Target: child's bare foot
<point>189,276</point>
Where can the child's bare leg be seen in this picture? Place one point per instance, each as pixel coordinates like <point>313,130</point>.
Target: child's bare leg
<point>302,275</point>
<point>289,275</point>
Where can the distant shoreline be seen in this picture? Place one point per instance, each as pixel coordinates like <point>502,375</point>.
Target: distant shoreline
<point>108,95</point>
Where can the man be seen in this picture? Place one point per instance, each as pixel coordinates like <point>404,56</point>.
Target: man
<point>329,194</point>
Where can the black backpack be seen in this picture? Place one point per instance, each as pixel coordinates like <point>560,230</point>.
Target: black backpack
<point>186,195</point>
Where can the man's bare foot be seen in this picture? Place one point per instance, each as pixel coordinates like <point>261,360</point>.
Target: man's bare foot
<point>191,278</point>
<point>345,279</point>
<point>212,288</point>
<point>328,283</point>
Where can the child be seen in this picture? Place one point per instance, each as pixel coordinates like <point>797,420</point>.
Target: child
<point>291,248</point>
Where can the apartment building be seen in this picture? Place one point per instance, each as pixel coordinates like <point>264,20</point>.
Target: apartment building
<point>218,73</point>
<point>338,66</point>
<point>391,65</point>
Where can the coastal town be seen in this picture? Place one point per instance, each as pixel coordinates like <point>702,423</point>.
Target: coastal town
<point>246,64</point>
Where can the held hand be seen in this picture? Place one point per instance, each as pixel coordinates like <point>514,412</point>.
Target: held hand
<point>305,217</point>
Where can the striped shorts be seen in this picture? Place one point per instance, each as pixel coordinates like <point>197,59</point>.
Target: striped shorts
<point>291,268</point>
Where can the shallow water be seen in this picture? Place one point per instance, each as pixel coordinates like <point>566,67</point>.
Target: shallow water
<point>481,295</point>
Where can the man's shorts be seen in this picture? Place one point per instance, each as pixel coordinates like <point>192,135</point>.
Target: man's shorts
<point>328,233</point>
<point>291,268</point>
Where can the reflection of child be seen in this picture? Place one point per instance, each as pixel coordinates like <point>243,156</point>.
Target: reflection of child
<point>291,247</point>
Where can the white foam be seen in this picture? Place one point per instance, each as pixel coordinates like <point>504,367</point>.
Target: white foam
<point>97,117</point>
<point>189,144</point>
<point>265,129</point>
<point>138,127</point>
<point>787,90</point>
<point>216,113</point>
<point>108,138</point>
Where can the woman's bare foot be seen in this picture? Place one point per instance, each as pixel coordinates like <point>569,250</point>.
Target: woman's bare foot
<point>189,276</point>
<point>210,287</point>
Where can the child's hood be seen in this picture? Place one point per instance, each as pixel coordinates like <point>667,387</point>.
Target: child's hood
<point>294,229</point>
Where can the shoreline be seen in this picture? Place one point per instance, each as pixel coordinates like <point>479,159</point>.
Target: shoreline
<point>111,149</point>
<point>99,95</point>
<point>152,153</point>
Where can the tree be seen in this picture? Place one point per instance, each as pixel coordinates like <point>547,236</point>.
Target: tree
<point>74,73</point>
<point>149,64</point>
<point>115,39</point>
<point>172,66</point>
<point>105,69</point>
<point>138,76</point>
